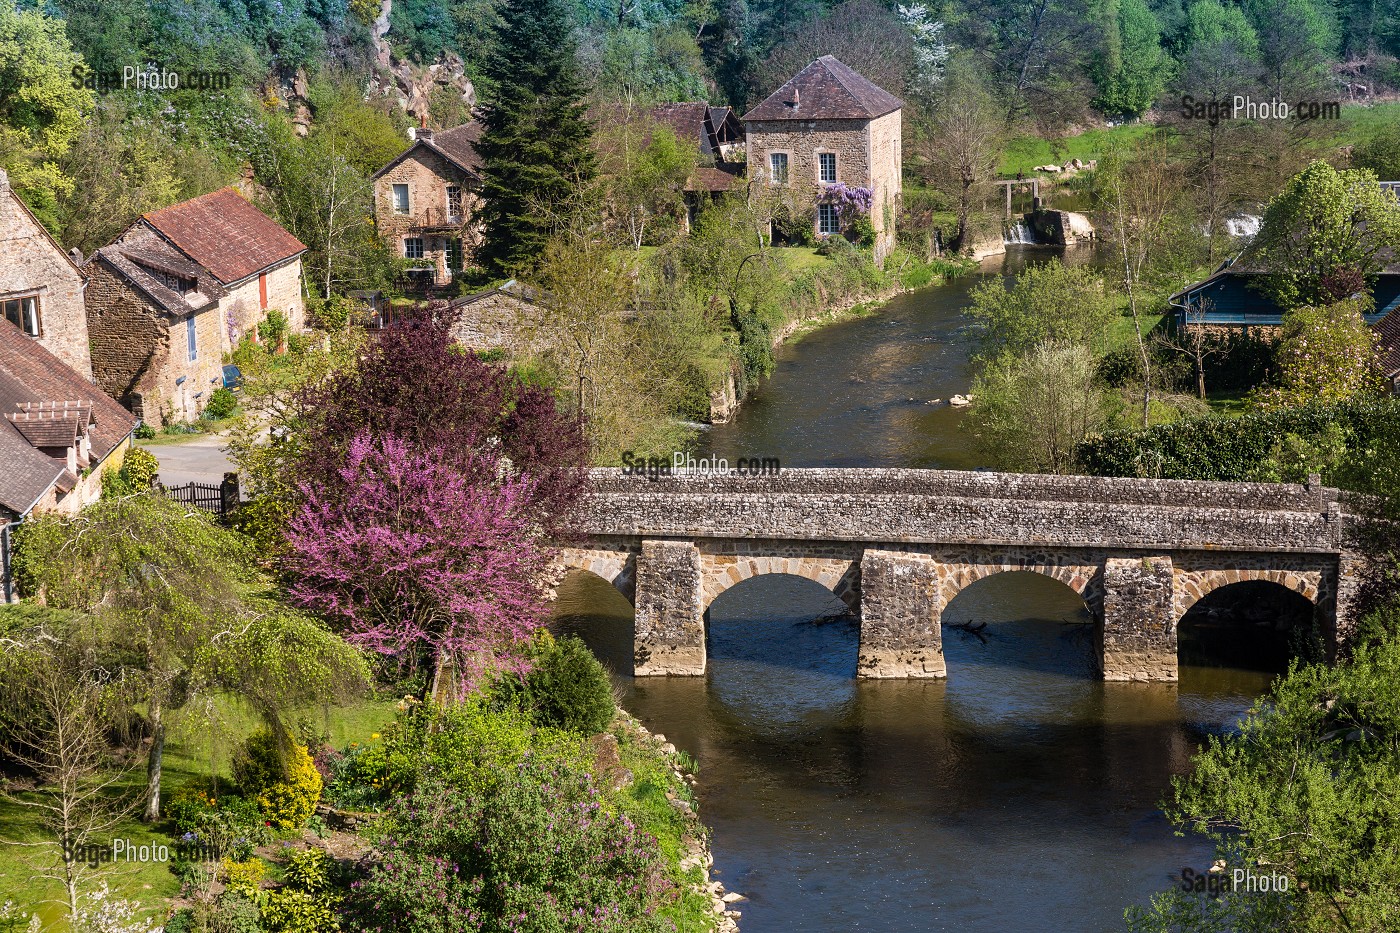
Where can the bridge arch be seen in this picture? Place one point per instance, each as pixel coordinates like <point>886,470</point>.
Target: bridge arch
<point>840,576</point>
<point>1195,585</point>
<point>618,568</point>
<point>957,575</point>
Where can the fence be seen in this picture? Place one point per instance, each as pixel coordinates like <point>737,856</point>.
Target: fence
<point>220,499</point>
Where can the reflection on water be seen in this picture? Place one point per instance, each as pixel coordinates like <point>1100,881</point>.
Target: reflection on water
<point>1019,794</point>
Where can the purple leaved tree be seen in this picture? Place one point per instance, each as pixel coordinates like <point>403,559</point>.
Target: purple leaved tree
<point>421,561</point>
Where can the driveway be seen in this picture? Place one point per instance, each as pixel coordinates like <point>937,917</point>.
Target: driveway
<point>202,460</point>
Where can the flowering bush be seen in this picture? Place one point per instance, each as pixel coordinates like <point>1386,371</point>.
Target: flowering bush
<point>534,850</point>
<point>851,201</point>
<point>100,912</point>
<point>285,784</point>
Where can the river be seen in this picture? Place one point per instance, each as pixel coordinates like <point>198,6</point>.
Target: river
<point>1019,794</point>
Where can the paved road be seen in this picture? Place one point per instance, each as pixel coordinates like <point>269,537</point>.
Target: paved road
<point>202,460</point>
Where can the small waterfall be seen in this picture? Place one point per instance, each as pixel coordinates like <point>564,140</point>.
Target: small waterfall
<point>1019,232</point>
<point>1245,225</point>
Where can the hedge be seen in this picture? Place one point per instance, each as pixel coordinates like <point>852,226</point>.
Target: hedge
<point>1212,447</point>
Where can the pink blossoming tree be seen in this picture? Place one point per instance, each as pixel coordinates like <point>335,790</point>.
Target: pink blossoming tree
<point>413,557</point>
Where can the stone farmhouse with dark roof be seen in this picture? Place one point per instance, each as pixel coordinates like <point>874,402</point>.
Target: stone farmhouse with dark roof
<point>178,290</point>
<point>41,286</point>
<point>59,432</point>
<point>830,125</point>
<point>425,200</point>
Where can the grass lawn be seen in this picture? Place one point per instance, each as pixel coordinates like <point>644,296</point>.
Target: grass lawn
<point>1361,123</point>
<point>194,751</point>
<point>1024,153</point>
<point>1230,404</point>
<point>1124,334</point>
<point>798,259</point>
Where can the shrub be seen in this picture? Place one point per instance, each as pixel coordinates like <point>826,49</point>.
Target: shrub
<point>1230,449</point>
<point>536,843</point>
<point>137,473</point>
<point>274,329</point>
<point>305,904</point>
<point>243,877</point>
<point>222,402</point>
<point>281,776</point>
<point>862,231</point>
<point>145,432</point>
<point>568,688</point>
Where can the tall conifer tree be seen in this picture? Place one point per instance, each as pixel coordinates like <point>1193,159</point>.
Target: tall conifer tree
<point>535,145</point>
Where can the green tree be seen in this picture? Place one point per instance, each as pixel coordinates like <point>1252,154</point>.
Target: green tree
<point>1325,236</point>
<point>644,170</point>
<point>1325,354</point>
<point>120,169</point>
<point>1030,412</point>
<point>1048,302</point>
<point>535,147</point>
<point>1131,81</point>
<point>175,607</point>
<point>41,112</point>
<point>1380,154</point>
<point>1305,790</point>
<point>961,143</point>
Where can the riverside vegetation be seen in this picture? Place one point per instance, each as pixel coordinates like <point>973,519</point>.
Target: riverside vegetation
<point>237,692</point>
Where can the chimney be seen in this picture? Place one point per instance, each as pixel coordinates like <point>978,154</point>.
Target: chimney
<point>423,131</point>
<point>796,99</point>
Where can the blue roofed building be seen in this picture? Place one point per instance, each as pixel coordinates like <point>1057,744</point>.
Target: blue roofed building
<point>1231,300</point>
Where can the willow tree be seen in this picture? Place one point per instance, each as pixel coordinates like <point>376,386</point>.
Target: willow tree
<point>172,604</point>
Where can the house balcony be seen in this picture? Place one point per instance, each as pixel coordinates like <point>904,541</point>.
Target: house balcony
<point>437,220</point>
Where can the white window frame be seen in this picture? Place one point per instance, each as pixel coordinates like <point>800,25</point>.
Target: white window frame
<point>821,174</point>
<point>394,190</point>
<point>828,210</point>
<point>459,210</point>
<point>29,311</point>
<point>408,251</point>
<point>191,339</point>
<point>780,178</point>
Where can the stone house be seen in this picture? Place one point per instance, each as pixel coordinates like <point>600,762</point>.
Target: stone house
<point>720,138</point>
<point>41,287</point>
<point>59,432</point>
<point>496,318</point>
<point>825,126</point>
<point>177,291</point>
<point>424,203</point>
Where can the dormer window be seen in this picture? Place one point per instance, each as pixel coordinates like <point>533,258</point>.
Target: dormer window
<point>23,312</point>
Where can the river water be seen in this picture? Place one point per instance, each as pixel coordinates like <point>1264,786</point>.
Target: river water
<point>1019,794</point>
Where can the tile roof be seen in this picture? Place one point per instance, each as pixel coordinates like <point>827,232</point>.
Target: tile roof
<point>826,90</point>
<point>722,177</point>
<point>1388,331</point>
<point>457,145</point>
<point>36,384</point>
<point>148,262</point>
<point>225,234</point>
<point>689,121</point>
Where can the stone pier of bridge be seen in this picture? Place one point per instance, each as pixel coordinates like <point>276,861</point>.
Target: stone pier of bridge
<point>897,546</point>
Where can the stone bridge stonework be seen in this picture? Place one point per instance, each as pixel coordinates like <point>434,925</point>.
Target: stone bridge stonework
<point>897,546</point>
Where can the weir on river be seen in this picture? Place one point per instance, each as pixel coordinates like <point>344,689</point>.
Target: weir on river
<point>1022,792</point>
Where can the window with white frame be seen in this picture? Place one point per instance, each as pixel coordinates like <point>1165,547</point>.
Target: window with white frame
<point>191,340</point>
<point>413,247</point>
<point>23,312</point>
<point>826,167</point>
<point>828,222</point>
<point>778,167</point>
<point>401,199</point>
<point>454,201</point>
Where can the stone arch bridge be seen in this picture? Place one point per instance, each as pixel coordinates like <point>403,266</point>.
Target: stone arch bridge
<point>898,545</point>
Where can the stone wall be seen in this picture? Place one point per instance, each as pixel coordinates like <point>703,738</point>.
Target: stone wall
<point>140,351</point>
<point>245,307</point>
<point>32,263</point>
<point>868,154</point>
<point>427,175</point>
<point>89,488</point>
<point>496,320</point>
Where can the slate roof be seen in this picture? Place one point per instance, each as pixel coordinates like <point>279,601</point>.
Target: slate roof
<point>37,387</point>
<point>1388,331</point>
<point>225,234</point>
<point>457,145</point>
<point>148,262</point>
<point>826,90</point>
